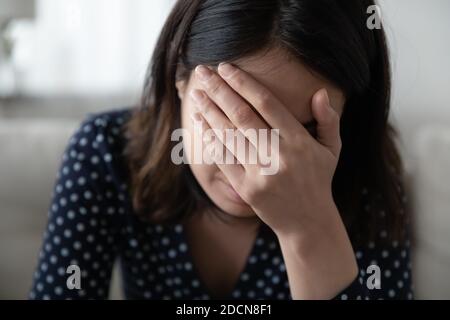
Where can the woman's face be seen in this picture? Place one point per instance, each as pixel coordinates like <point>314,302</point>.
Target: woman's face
<point>289,81</point>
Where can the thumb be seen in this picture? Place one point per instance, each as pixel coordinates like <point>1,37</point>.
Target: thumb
<point>328,121</point>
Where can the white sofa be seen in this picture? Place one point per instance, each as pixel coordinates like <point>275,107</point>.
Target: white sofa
<point>31,150</point>
<point>431,196</point>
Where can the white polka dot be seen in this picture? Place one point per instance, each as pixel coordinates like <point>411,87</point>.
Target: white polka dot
<point>275,279</point>
<point>81,181</point>
<point>83,141</point>
<point>62,202</point>
<point>68,184</point>
<point>88,195</point>
<point>182,247</point>
<point>133,243</point>
<point>61,271</point>
<point>172,253</point>
<point>178,228</point>
<point>80,227</point>
<point>195,283</point>
<point>281,296</point>
<point>49,279</point>
<point>56,240</point>
<point>358,255</point>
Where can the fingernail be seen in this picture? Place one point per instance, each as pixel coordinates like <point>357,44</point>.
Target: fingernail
<point>327,99</point>
<point>203,73</point>
<point>197,95</point>
<point>226,69</point>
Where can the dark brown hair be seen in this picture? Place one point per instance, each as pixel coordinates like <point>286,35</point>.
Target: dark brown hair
<point>328,36</point>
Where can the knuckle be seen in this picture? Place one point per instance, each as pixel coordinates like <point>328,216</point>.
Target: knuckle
<point>215,86</point>
<point>263,98</point>
<point>242,115</point>
<point>237,79</point>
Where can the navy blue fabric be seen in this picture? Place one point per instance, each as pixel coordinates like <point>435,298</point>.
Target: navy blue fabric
<point>91,224</point>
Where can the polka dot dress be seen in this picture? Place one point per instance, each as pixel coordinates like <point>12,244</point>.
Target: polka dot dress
<point>91,225</point>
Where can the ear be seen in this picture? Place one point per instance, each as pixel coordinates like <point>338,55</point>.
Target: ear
<point>181,88</point>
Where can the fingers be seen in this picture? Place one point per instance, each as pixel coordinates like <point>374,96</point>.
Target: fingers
<point>266,104</point>
<point>234,141</point>
<point>328,121</point>
<point>231,103</point>
<point>217,152</point>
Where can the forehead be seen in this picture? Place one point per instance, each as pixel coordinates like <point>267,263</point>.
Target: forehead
<point>290,81</point>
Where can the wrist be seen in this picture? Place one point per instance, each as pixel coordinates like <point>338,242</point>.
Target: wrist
<point>321,253</point>
<point>308,223</point>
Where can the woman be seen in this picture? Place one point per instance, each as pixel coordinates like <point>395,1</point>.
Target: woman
<point>329,223</point>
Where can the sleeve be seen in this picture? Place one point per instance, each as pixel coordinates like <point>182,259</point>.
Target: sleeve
<point>80,242</point>
<point>384,266</point>
<point>384,273</point>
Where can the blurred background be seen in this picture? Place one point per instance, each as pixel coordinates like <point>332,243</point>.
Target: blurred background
<point>62,59</point>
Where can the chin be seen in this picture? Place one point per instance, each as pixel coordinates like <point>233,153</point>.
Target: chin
<point>237,210</point>
<point>230,202</point>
